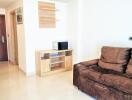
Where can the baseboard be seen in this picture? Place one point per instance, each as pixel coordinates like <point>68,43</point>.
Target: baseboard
<point>30,74</point>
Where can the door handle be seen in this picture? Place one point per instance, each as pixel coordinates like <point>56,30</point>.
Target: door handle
<point>3,39</point>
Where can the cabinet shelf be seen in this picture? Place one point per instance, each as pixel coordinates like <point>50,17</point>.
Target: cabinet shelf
<point>57,56</point>
<point>57,62</point>
<point>57,68</point>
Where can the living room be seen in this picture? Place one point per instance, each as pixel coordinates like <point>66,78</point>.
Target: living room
<point>87,25</point>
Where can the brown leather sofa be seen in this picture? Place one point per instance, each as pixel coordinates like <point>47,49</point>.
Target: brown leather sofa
<point>107,78</point>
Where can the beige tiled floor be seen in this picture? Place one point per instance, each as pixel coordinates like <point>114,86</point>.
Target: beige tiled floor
<point>14,85</point>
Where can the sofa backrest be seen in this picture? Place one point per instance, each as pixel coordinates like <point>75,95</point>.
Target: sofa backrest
<point>129,66</point>
<point>114,58</point>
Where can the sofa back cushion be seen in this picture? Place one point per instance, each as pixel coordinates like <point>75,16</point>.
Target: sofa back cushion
<point>129,66</point>
<point>114,58</point>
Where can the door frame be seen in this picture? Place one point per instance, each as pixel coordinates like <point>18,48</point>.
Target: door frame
<point>12,38</point>
<point>13,23</point>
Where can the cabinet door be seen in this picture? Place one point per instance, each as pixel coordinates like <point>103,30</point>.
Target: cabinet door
<point>45,65</point>
<point>68,62</point>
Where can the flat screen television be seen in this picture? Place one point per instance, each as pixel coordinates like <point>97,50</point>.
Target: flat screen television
<point>60,45</point>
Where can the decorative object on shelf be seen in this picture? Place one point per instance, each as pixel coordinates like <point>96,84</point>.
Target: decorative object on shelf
<point>19,12</point>
<point>53,61</point>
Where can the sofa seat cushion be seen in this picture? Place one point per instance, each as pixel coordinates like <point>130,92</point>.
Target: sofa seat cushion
<point>94,72</point>
<point>109,78</point>
<point>121,83</point>
<point>114,58</point>
<point>90,73</point>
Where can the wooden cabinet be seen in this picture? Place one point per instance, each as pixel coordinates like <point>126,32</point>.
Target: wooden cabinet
<point>53,61</point>
<point>46,64</point>
<point>68,62</point>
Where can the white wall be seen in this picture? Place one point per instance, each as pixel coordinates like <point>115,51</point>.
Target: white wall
<point>75,27</point>
<point>21,47</point>
<point>47,36</point>
<point>87,24</point>
<point>20,37</point>
<point>103,22</point>
<point>2,11</point>
<point>41,38</point>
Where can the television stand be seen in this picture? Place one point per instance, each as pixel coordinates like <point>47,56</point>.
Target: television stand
<point>53,61</point>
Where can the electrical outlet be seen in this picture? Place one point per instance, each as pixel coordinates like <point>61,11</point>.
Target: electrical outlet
<point>130,38</point>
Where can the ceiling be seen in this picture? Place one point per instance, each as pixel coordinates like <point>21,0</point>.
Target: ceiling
<point>6,3</point>
<point>63,0</point>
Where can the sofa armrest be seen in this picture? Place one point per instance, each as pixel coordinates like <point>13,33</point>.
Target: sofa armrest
<point>81,66</point>
<point>90,62</point>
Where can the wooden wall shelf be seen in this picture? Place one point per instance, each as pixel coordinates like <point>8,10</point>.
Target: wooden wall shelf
<point>47,15</point>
